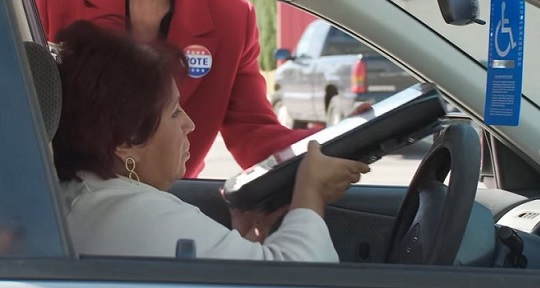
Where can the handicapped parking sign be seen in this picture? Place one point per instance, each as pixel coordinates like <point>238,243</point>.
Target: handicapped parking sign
<point>505,62</point>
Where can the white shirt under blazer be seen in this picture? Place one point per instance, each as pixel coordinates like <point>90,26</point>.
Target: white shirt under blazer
<point>119,218</point>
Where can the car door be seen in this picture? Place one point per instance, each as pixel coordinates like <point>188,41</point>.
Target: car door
<point>469,90</point>
<point>298,92</point>
<point>29,216</point>
<point>28,189</point>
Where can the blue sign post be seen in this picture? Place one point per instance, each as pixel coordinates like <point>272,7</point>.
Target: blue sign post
<point>505,65</point>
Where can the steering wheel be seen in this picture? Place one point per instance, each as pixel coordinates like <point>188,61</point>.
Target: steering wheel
<point>433,217</point>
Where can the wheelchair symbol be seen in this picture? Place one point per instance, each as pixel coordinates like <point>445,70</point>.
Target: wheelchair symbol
<point>502,26</point>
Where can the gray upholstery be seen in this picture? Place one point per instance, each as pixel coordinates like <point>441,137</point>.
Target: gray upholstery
<point>47,83</point>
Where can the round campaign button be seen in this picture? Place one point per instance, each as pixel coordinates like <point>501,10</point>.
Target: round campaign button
<point>199,60</point>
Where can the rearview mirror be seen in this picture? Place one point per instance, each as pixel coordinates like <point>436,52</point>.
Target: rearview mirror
<point>460,12</point>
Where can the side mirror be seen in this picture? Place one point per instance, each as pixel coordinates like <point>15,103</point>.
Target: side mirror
<point>282,54</point>
<point>460,12</point>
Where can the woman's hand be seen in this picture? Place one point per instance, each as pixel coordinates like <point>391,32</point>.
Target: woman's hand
<point>255,225</point>
<point>321,179</point>
<point>361,108</point>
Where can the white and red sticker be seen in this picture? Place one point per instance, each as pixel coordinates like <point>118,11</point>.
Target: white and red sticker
<point>199,60</point>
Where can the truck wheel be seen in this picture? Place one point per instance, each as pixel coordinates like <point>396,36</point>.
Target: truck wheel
<point>334,113</point>
<point>285,118</point>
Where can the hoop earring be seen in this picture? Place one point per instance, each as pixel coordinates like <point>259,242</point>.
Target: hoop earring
<point>130,167</point>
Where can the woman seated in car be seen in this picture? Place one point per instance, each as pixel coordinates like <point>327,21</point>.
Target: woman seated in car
<point>123,141</point>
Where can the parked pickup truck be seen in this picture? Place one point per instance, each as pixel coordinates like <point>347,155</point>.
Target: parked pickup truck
<point>329,72</point>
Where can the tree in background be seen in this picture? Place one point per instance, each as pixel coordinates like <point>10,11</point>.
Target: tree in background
<point>266,20</point>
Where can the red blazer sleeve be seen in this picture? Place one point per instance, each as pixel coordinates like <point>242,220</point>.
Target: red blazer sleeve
<point>251,130</point>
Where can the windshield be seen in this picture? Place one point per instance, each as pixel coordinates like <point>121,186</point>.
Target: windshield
<point>473,39</point>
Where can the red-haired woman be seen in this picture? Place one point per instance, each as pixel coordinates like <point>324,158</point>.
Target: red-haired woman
<point>122,142</point>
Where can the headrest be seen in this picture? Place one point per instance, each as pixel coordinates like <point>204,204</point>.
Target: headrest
<point>48,85</point>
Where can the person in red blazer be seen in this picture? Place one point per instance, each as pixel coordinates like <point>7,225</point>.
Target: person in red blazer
<point>225,90</point>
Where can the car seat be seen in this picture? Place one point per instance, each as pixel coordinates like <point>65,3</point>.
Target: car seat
<point>46,78</point>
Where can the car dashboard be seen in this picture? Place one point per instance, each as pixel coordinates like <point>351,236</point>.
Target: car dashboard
<point>514,240</point>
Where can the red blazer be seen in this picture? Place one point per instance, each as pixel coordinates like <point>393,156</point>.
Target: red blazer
<point>231,98</point>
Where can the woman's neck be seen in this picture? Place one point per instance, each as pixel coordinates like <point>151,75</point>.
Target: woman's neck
<point>146,16</point>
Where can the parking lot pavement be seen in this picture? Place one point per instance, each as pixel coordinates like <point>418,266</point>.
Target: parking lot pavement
<point>219,163</point>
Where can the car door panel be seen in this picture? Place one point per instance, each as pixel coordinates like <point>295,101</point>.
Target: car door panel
<point>359,236</point>
<point>297,95</point>
<point>379,200</point>
<point>206,195</point>
<point>115,271</point>
<point>307,82</point>
<point>360,224</point>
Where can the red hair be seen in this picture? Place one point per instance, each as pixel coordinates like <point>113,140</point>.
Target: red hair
<point>114,92</point>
